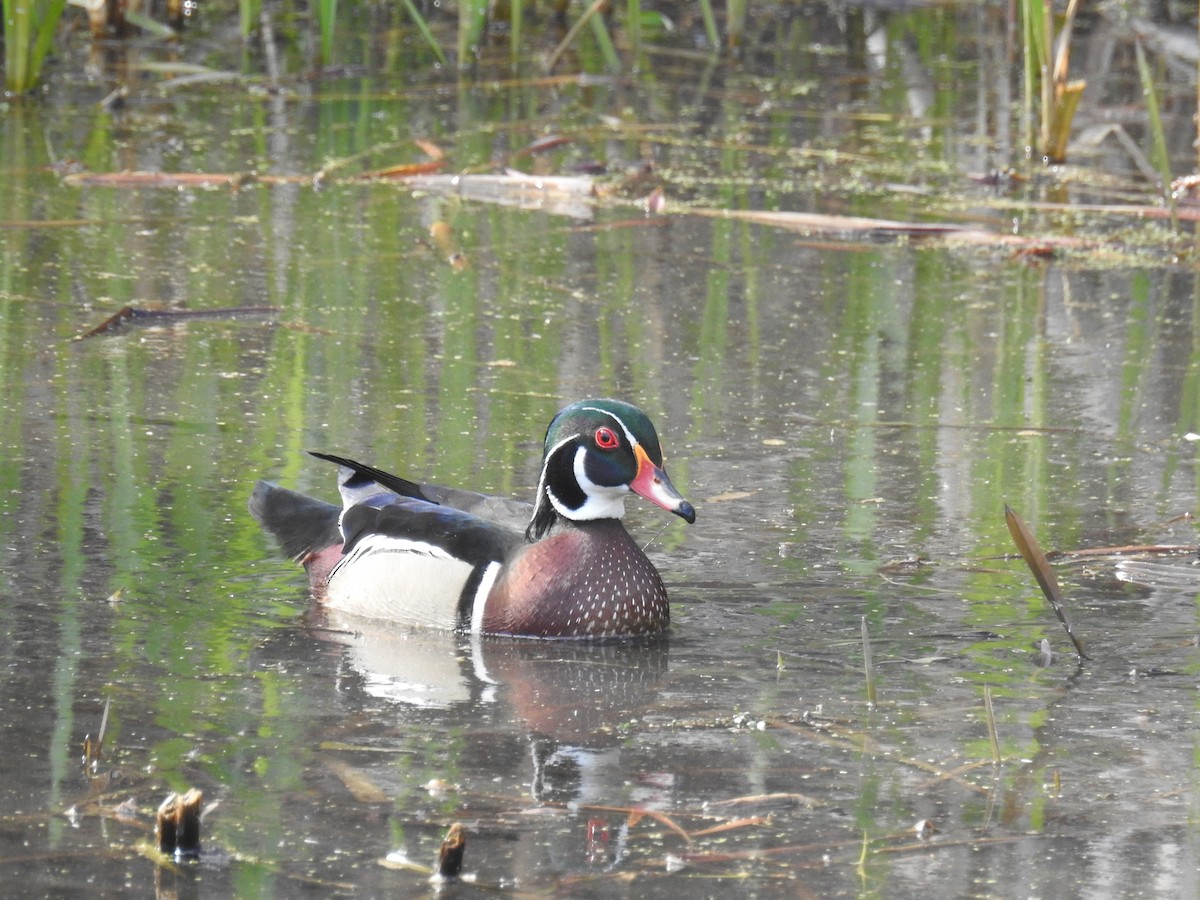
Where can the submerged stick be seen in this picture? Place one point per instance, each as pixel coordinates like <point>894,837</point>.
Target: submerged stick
<point>1035,558</point>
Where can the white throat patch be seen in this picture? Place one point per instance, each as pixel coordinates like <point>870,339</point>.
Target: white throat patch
<point>602,502</point>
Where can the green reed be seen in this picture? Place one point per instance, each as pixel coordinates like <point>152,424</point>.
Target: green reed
<point>710,24</point>
<point>472,21</point>
<point>423,27</point>
<point>1158,151</point>
<point>29,27</point>
<point>249,14</point>
<point>735,22</point>
<point>1046,78</point>
<point>326,11</point>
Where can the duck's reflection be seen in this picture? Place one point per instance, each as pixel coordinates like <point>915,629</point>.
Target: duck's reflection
<point>574,699</point>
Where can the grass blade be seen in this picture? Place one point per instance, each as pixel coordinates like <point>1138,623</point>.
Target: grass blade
<point>735,22</point>
<point>990,714</point>
<point>1159,155</point>
<point>249,14</point>
<point>710,25</point>
<point>326,19</point>
<point>423,27</point>
<point>573,32</point>
<point>515,21</point>
<point>472,20</point>
<point>29,29</point>
<point>868,663</point>
<point>607,48</point>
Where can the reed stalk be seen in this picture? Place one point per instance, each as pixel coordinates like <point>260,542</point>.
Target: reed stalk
<point>472,20</point>
<point>633,28</point>
<point>607,48</point>
<point>1047,61</point>
<point>1158,150</point>
<point>588,15</point>
<point>29,27</point>
<point>868,663</point>
<point>249,15</point>
<point>735,22</point>
<point>710,24</point>
<point>326,19</point>
<point>516,17</point>
<point>424,29</point>
<point>990,715</point>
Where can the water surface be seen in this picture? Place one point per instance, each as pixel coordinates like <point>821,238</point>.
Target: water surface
<point>847,411</point>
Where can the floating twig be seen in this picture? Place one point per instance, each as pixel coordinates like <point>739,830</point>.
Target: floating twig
<point>1128,550</point>
<point>732,826</point>
<point>128,315</point>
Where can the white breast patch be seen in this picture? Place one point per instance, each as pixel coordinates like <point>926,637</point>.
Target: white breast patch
<point>405,581</point>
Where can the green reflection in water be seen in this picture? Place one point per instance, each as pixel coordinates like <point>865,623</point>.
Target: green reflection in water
<point>382,349</point>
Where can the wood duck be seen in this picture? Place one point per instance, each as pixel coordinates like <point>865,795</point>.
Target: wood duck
<point>562,567</point>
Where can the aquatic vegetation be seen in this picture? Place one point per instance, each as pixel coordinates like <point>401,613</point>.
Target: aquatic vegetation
<point>29,27</point>
<point>1159,154</point>
<point>1047,59</point>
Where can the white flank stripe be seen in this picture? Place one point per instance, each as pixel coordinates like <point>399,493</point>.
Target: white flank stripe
<point>481,595</point>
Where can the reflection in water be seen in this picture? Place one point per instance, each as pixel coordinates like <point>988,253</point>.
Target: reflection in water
<point>570,704</point>
<point>573,699</point>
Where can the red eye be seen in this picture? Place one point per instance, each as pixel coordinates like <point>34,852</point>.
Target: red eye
<point>606,439</point>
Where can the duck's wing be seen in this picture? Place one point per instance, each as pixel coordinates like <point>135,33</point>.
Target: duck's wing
<point>392,523</point>
<point>359,482</point>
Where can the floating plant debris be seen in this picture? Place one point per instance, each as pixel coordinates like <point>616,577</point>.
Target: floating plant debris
<point>132,315</point>
<point>1035,558</point>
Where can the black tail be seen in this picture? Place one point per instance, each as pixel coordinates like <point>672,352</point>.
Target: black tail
<point>401,486</point>
<point>300,523</point>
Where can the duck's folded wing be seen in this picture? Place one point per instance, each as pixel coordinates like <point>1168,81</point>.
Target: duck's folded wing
<point>405,523</point>
<point>359,481</point>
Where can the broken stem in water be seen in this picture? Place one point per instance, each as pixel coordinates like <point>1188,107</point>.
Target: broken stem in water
<point>868,665</point>
<point>1035,558</point>
<point>990,715</point>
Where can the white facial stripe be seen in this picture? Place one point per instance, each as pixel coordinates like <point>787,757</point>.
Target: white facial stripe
<point>628,434</point>
<point>542,477</point>
<point>603,501</point>
<point>550,453</point>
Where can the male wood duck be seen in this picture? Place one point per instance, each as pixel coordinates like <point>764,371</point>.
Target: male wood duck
<point>563,567</point>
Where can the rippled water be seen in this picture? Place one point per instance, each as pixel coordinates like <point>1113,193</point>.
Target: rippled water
<point>849,413</point>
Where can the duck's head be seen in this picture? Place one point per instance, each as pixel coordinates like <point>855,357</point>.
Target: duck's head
<point>597,451</point>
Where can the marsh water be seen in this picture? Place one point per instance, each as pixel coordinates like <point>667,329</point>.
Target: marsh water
<point>849,408</point>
